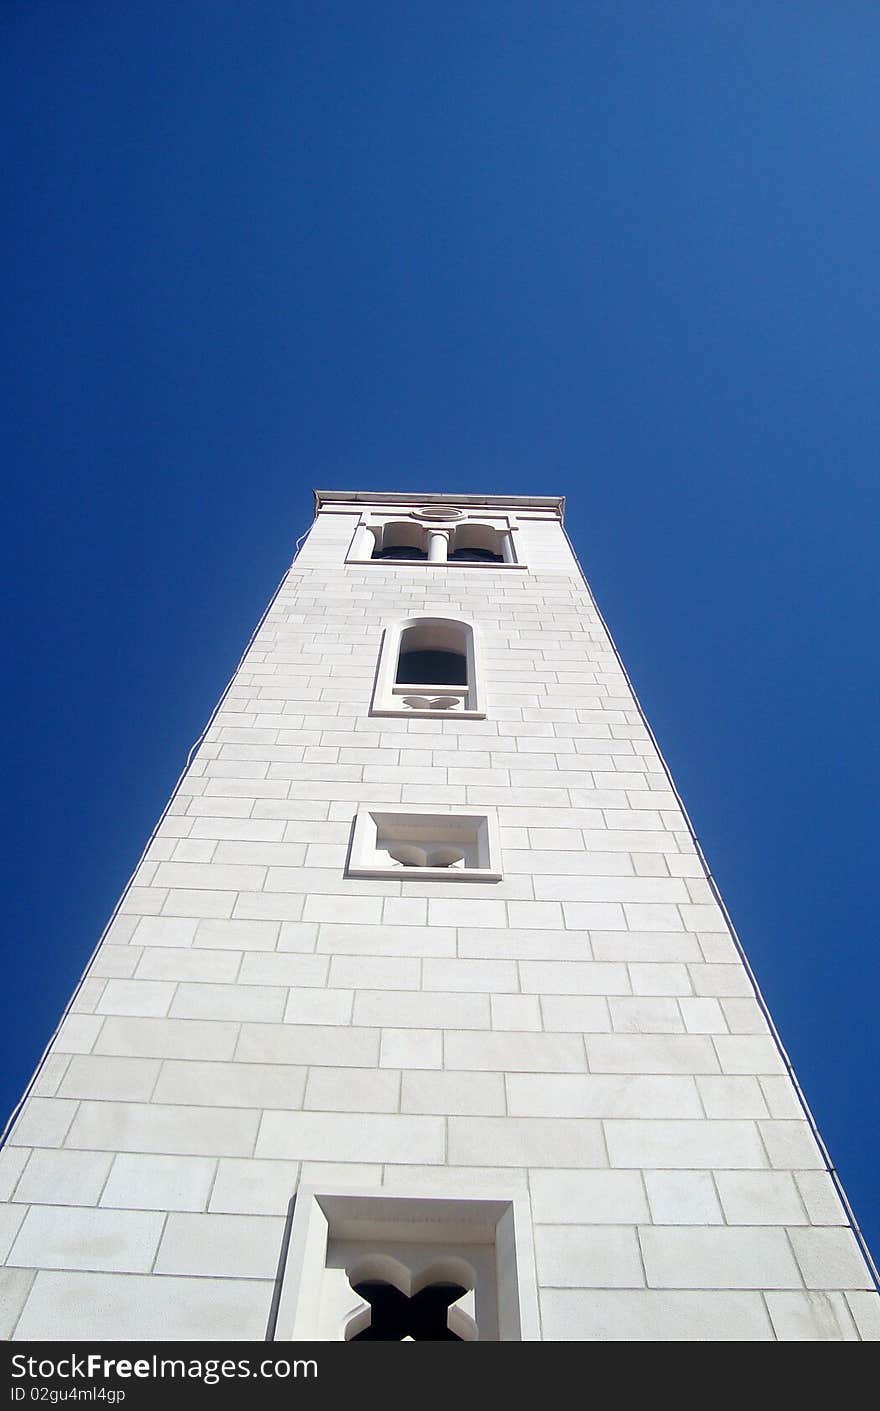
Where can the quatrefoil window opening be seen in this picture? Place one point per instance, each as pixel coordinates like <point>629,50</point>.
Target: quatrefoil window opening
<point>479,1241</point>
<point>395,1316</point>
<point>401,1306</point>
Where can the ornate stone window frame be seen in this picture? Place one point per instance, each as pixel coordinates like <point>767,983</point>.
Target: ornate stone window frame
<point>436,525</point>
<point>333,1228</point>
<point>465,702</point>
<point>413,828</point>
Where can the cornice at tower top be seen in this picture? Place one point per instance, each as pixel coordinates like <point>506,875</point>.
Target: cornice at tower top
<point>553,503</point>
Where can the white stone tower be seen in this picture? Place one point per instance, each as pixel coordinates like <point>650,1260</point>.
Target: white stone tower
<point>424,934</point>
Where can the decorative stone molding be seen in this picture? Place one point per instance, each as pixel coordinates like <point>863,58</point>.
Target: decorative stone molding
<point>435,535</point>
<point>428,699</point>
<point>408,842</point>
<point>479,1242</point>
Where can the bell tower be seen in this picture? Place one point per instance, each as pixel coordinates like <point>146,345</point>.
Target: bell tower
<point>424,939</point>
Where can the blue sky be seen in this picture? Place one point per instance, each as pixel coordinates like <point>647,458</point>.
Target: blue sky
<point>621,252</point>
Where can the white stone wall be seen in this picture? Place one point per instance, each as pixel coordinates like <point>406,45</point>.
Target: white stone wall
<point>583,1029</point>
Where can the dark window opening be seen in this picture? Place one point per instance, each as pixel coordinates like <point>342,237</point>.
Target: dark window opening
<point>399,551</point>
<point>475,556</point>
<point>394,1316</point>
<point>427,668</point>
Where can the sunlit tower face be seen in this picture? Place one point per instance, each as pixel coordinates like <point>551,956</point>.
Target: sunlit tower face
<point>424,938</point>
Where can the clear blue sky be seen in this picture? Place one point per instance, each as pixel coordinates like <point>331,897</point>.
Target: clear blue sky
<point>623,252</point>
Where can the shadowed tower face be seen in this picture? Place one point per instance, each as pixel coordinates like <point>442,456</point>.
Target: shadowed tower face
<point>424,938</point>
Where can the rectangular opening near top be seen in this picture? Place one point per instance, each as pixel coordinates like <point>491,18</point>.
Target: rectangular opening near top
<point>410,843</point>
<point>408,1267</point>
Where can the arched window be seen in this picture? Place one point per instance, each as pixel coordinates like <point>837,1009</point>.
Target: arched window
<point>401,539</point>
<point>432,652</point>
<point>436,536</point>
<point>428,666</point>
<point>476,543</point>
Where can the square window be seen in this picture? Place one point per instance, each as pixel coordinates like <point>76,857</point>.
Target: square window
<point>410,842</point>
<point>372,1266</point>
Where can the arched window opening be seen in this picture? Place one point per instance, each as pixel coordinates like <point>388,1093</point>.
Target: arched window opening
<point>476,543</point>
<point>400,551</point>
<point>428,666</point>
<point>475,555</point>
<point>400,540</point>
<point>434,536</point>
<point>433,657</point>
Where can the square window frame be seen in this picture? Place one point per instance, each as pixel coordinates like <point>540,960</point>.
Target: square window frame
<point>364,861</point>
<point>499,1217</point>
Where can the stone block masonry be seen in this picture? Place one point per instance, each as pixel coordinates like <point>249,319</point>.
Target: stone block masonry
<point>582,1031</point>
